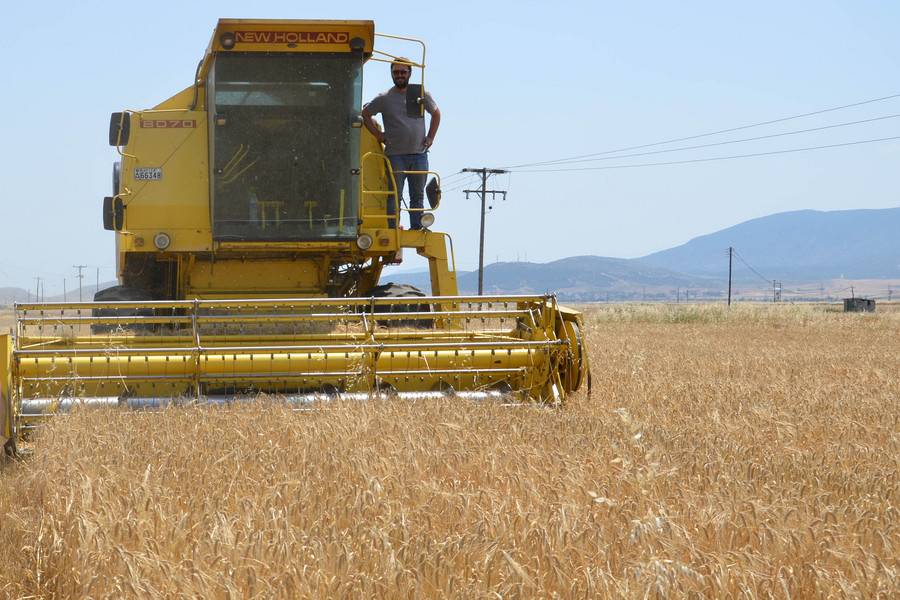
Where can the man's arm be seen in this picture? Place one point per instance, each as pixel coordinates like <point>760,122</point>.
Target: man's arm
<point>433,127</point>
<point>371,126</point>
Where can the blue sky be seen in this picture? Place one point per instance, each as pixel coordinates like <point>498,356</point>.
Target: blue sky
<point>517,82</point>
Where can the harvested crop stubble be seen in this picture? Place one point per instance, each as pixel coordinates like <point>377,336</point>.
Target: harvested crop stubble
<point>752,453</point>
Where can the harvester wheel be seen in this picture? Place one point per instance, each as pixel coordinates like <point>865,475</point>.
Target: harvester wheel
<point>121,293</point>
<point>402,290</point>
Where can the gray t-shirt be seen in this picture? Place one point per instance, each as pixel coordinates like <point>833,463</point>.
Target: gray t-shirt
<point>402,134</point>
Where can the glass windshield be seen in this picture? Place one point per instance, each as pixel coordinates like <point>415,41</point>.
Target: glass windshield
<point>284,154</point>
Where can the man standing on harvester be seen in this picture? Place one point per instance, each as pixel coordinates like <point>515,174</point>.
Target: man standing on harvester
<point>404,139</point>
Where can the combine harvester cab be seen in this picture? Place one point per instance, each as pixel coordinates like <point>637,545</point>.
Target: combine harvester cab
<point>253,215</point>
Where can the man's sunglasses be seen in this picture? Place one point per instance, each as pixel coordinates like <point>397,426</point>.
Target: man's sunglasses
<point>395,73</point>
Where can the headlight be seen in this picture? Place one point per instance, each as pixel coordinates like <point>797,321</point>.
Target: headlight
<point>162,240</point>
<point>427,220</point>
<point>364,241</point>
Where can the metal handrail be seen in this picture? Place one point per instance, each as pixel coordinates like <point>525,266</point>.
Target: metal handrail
<point>393,58</point>
<point>426,173</point>
<point>363,192</point>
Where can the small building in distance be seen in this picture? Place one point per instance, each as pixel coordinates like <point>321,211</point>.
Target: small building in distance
<point>859,305</point>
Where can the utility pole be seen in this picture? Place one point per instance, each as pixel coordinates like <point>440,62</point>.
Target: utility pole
<point>776,291</point>
<point>730,257</point>
<point>80,276</point>
<point>37,288</point>
<point>483,192</point>
<point>64,290</point>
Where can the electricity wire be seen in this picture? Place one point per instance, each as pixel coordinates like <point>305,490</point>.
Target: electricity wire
<point>749,266</point>
<point>714,158</point>
<point>460,184</point>
<point>711,133</point>
<point>750,139</point>
<point>452,176</point>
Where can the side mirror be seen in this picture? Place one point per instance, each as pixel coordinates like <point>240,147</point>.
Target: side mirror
<point>119,128</point>
<point>433,193</point>
<point>113,213</point>
<point>414,101</point>
<point>108,213</point>
<point>118,214</point>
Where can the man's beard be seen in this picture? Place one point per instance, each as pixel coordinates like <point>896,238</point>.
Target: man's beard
<point>401,84</point>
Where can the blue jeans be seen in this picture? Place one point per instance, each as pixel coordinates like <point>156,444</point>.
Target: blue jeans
<point>409,162</point>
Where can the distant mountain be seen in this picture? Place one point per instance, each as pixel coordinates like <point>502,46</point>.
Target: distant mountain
<point>8,295</point>
<point>795,247</point>
<point>574,278</point>
<point>804,245</point>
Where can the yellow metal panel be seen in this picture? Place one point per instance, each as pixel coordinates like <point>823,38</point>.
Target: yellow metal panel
<point>174,199</point>
<point>332,248</point>
<point>524,369</point>
<point>181,100</point>
<point>213,363</point>
<point>253,275</point>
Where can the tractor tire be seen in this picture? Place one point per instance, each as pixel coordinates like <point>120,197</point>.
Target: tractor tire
<point>121,293</point>
<point>402,290</point>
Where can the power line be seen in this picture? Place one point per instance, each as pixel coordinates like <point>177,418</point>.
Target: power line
<point>463,183</point>
<point>714,158</point>
<point>452,176</point>
<point>460,183</point>
<point>750,139</point>
<point>758,274</point>
<point>701,135</point>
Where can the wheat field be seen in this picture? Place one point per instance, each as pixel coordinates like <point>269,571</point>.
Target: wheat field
<point>744,453</point>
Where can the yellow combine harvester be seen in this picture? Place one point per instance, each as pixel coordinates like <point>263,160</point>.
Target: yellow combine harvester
<point>253,215</point>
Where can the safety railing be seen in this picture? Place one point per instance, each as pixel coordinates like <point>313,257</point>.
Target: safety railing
<point>392,194</point>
